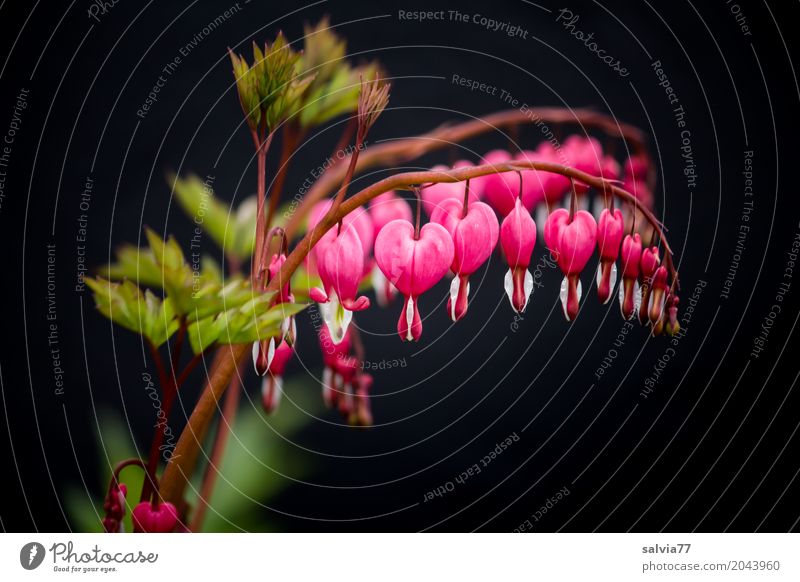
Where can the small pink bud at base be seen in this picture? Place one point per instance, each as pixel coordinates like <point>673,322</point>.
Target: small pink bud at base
<point>149,519</point>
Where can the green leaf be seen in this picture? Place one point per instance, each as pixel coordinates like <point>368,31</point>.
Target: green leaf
<point>233,232</point>
<point>127,305</point>
<point>136,264</point>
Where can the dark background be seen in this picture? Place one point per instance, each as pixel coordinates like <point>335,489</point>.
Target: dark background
<point>712,448</point>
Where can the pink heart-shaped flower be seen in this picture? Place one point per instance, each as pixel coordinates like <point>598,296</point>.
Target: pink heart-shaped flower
<point>435,194</point>
<point>413,265</point>
<point>341,265</point>
<point>149,519</point>
<point>499,190</point>
<point>474,238</point>
<point>610,229</point>
<point>388,207</point>
<point>518,237</point>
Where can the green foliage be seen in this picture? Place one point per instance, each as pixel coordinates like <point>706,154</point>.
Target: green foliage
<point>253,321</point>
<point>234,232</point>
<point>126,305</point>
<point>269,89</point>
<point>215,311</point>
<point>335,87</point>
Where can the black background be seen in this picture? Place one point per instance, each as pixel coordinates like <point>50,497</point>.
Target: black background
<point>714,446</point>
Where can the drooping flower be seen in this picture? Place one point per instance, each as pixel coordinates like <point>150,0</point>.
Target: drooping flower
<point>573,242</point>
<point>340,263</point>
<point>383,209</point>
<point>672,326</point>
<point>648,266</point>
<point>341,368</point>
<point>586,155</point>
<point>114,507</point>
<point>518,237</point>
<point>272,384</point>
<point>264,350</point>
<point>629,291</point>
<point>413,264</point>
<point>149,518</point>
<point>474,237</point>
<point>435,194</point>
<point>658,294</point>
<point>499,189</point>
<point>361,411</point>
<point>610,228</point>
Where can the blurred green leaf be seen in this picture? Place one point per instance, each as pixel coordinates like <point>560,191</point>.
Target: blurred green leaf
<point>127,305</point>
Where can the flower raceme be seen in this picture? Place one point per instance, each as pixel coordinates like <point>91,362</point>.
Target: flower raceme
<point>413,261</point>
<point>474,231</point>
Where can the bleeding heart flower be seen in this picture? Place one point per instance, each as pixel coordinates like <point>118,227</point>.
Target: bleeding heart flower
<point>672,326</point>
<point>264,350</point>
<point>383,209</point>
<point>636,167</point>
<point>340,371</point>
<point>413,265</point>
<point>573,243</point>
<point>533,182</point>
<point>359,220</point>
<point>586,155</point>
<point>658,294</point>
<point>147,518</point>
<point>474,238</point>
<point>629,292</point>
<point>435,194</point>
<point>648,265</point>
<point>272,384</point>
<point>114,507</point>
<point>609,236</point>
<point>518,237</point>
<point>501,189</point>
<point>361,411</point>
<point>340,263</point>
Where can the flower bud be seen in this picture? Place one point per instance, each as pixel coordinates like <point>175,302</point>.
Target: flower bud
<point>629,292</point>
<point>609,236</point>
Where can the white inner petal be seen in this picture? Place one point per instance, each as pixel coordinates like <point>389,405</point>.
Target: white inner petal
<point>270,351</point>
<point>621,299</point>
<point>612,280</point>
<point>255,356</point>
<point>380,284</point>
<point>336,318</point>
<point>508,285</point>
<point>563,294</point>
<point>637,296</point>
<point>528,287</point>
<point>409,318</point>
<point>455,285</point>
